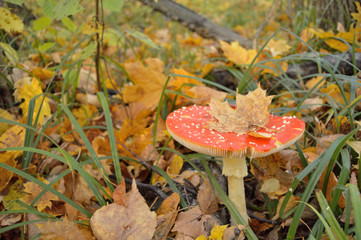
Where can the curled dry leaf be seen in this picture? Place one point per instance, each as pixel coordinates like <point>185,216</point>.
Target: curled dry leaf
<point>115,221</point>
<point>251,113</point>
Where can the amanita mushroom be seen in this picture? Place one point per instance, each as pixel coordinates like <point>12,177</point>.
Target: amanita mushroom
<point>190,127</point>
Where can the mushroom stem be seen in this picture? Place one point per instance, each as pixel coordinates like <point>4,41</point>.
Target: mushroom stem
<point>235,169</point>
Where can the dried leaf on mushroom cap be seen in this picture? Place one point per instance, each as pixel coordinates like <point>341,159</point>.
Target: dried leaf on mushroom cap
<point>250,113</point>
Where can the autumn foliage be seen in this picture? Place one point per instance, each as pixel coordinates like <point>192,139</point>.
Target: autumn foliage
<point>79,161</point>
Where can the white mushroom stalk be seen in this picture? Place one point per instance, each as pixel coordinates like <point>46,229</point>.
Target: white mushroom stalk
<point>235,169</point>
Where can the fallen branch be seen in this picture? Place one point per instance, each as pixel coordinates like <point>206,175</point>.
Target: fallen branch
<point>342,63</point>
<point>195,22</point>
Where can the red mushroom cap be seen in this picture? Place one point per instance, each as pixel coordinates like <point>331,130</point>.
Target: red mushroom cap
<point>189,126</point>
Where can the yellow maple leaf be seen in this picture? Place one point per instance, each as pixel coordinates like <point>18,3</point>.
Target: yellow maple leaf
<point>148,82</point>
<point>9,21</point>
<point>277,47</point>
<point>33,190</point>
<point>238,54</point>
<point>250,113</point>
<point>27,88</point>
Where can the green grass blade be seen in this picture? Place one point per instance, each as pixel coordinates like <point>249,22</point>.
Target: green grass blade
<point>113,145</point>
<point>47,187</point>
<point>331,219</point>
<point>331,153</point>
<point>73,164</point>
<point>88,146</point>
<point>356,206</point>
<point>172,185</point>
<point>324,222</point>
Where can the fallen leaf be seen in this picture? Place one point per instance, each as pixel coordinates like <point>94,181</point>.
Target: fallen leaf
<point>148,82</point>
<point>334,94</point>
<point>207,199</point>
<point>234,233</point>
<point>314,104</point>
<point>13,137</point>
<point>118,222</point>
<point>64,230</point>
<point>4,115</point>
<point>173,169</point>
<point>282,166</point>
<point>27,89</point>
<point>42,73</point>
<point>10,219</point>
<point>357,15</point>
<point>238,54</point>
<point>119,194</point>
<point>15,192</point>
<point>216,233</point>
<point>270,186</point>
<point>33,190</point>
<point>251,113</point>
<point>9,21</point>
<point>311,83</point>
<point>167,213</point>
<point>202,95</point>
<point>191,222</point>
<point>292,202</point>
<point>277,47</point>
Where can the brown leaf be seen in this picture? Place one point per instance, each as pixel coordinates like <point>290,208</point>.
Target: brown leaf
<point>63,230</point>
<point>204,94</point>
<point>167,214</point>
<point>251,113</point>
<point>207,199</point>
<point>169,204</point>
<point>293,201</point>
<point>118,222</point>
<point>191,222</point>
<point>119,194</point>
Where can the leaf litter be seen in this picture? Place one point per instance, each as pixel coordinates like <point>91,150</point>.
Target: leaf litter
<point>133,105</point>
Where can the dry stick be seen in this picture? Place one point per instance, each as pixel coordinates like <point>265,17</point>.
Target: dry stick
<point>97,56</point>
<point>269,17</point>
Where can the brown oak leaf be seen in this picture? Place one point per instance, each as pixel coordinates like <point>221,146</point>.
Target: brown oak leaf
<point>250,113</point>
